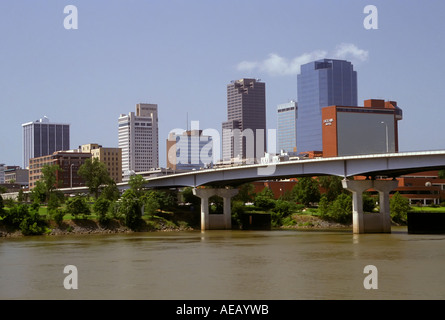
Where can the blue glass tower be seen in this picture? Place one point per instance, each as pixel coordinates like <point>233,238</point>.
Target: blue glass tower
<point>320,84</point>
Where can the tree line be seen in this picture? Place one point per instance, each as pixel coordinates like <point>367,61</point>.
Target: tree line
<point>326,194</point>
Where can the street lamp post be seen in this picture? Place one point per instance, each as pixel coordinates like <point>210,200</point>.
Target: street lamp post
<point>387,143</point>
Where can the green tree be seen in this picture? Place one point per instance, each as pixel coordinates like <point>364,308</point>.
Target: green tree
<point>245,193</point>
<point>49,178</point>
<point>332,186</point>
<point>20,196</point>
<point>189,197</point>
<point>2,207</point>
<point>32,223</point>
<point>150,202</point>
<point>341,209</point>
<point>101,207</point>
<point>306,191</point>
<point>15,215</point>
<point>110,191</point>
<point>77,205</point>
<point>324,206</point>
<point>165,199</point>
<point>265,199</point>
<point>131,208</point>
<point>38,193</point>
<point>399,207</point>
<point>95,174</point>
<point>47,184</point>
<point>136,184</point>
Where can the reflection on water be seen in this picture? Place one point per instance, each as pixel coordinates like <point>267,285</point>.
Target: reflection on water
<point>224,265</point>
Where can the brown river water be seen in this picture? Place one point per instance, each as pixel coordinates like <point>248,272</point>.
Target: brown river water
<point>224,265</point>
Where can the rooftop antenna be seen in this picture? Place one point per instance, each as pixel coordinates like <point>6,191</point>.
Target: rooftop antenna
<point>187,121</point>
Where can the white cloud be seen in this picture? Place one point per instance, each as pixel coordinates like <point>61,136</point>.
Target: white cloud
<point>280,66</point>
<point>350,51</point>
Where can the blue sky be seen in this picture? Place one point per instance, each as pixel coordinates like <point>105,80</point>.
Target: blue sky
<point>182,54</point>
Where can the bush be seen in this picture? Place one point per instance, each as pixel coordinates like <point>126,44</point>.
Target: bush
<point>306,191</point>
<point>77,205</point>
<point>282,207</point>
<point>33,224</point>
<point>399,207</point>
<point>324,206</point>
<point>57,215</point>
<point>131,208</point>
<point>264,202</point>
<point>15,215</point>
<point>340,210</point>
<point>238,209</point>
<point>133,215</point>
<point>26,219</point>
<point>101,207</point>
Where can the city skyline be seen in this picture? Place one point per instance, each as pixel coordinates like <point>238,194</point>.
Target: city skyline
<point>116,59</point>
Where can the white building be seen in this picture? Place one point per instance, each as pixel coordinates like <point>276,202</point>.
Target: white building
<point>138,138</point>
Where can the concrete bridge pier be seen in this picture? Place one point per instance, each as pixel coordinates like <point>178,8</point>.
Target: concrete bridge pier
<point>370,222</point>
<point>215,221</point>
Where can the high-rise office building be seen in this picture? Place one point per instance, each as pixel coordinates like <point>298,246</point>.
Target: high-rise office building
<point>42,138</point>
<point>190,150</point>
<point>244,132</point>
<point>138,138</point>
<point>320,84</point>
<point>287,127</point>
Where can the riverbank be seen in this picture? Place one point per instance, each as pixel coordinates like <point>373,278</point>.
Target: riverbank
<point>92,226</point>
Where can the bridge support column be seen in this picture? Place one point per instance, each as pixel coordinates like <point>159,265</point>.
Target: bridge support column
<point>370,222</point>
<point>227,195</point>
<point>216,221</point>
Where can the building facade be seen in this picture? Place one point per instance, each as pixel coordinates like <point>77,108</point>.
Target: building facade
<point>287,114</point>
<point>320,84</point>
<point>2,173</point>
<point>69,163</point>
<point>17,175</point>
<point>350,130</point>
<point>41,138</point>
<point>138,138</point>
<point>244,132</point>
<point>190,150</point>
<point>111,157</point>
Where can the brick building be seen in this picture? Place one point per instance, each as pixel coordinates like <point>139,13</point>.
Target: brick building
<point>69,163</point>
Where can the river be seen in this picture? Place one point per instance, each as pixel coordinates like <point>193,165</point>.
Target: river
<point>223,265</point>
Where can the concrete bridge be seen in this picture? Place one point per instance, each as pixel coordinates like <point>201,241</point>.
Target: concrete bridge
<point>380,170</point>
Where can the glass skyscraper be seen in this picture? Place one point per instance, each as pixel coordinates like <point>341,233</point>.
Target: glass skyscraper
<point>42,138</point>
<point>287,127</point>
<point>320,84</point>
